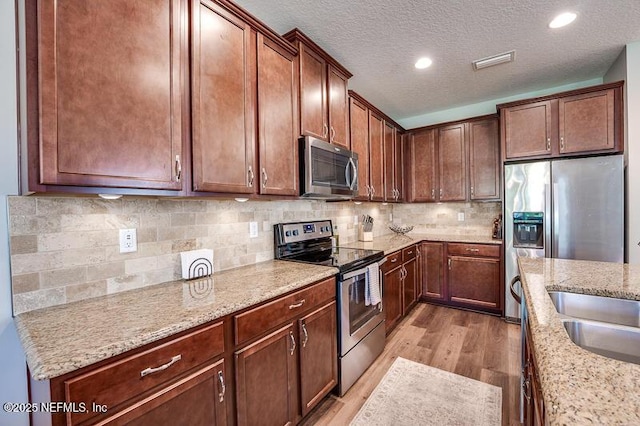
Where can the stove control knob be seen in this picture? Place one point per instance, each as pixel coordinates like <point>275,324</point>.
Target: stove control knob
<point>287,233</point>
<point>295,232</point>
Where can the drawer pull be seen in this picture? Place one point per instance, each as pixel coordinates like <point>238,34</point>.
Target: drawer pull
<point>297,304</point>
<point>473,250</point>
<point>410,252</point>
<point>223,388</point>
<point>394,260</point>
<point>306,335</point>
<point>150,370</point>
<point>293,343</point>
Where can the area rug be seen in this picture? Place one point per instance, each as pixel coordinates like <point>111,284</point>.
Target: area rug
<point>416,394</point>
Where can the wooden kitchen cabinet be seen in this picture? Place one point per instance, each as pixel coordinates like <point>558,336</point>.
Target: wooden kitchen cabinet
<point>376,157</point>
<point>323,92</point>
<point>359,128</point>
<point>93,120</point>
<point>398,177</point>
<point>484,160</point>
<point>534,409</point>
<point>474,276</point>
<point>267,379</point>
<point>183,375</point>
<point>223,80</point>
<point>392,293</point>
<point>410,258</point>
<point>432,265</point>
<point>286,356</point>
<point>452,162</point>
<point>392,163</point>
<point>422,173</point>
<point>579,122</point>
<point>317,334</point>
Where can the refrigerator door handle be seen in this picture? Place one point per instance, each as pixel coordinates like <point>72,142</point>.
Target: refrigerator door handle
<point>548,221</point>
<point>555,248</point>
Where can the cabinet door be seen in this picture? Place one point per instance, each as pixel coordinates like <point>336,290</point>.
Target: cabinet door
<point>313,94</point>
<point>423,177</point>
<point>474,282</point>
<point>359,120</point>
<point>527,130</point>
<point>432,258</point>
<point>376,156</point>
<point>223,79</point>
<point>338,104</point>
<point>452,159</point>
<point>484,160</point>
<point>266,380</point>
<point>199,399</point>
<point>587,122</point>
<point>392,297</point>
<point>277,115</point>
<point>389,162</point>
<point>110,93</point>
<point>318,355</point>
<point>410,291</point>
<point>398,177</point>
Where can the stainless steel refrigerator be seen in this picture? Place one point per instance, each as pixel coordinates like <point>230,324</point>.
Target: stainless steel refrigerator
<point>566,209</point>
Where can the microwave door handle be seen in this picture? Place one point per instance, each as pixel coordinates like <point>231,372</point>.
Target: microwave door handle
<point>347,174</point>
<point>355,173</point>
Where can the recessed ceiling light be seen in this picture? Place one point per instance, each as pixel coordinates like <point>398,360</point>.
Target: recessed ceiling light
<point>498,59</point>
<point>562,20</point>
<point>423,63</point>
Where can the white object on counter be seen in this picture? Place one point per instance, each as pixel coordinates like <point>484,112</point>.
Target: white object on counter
<point>196,263</point>
<point>372,294</point>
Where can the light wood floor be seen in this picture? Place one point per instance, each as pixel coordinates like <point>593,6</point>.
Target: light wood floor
<point>478,346</point>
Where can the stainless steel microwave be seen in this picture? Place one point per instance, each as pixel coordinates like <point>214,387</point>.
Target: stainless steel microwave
<point>327,171</point>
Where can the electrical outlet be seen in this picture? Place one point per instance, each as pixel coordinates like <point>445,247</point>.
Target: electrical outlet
<point>128,241</point>
<point>391,217</point>
<point>253,229</point>
<point>355,219</point>
<point>461,217</point>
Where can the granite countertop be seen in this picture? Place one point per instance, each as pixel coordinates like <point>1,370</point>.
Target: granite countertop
<point>64,338</point>
<point>578,386</point>
<point>393,242</point>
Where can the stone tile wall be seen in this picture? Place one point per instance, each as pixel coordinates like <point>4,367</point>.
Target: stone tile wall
<point>65,249</point>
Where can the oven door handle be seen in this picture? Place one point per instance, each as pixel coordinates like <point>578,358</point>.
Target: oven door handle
<point>350,275</point>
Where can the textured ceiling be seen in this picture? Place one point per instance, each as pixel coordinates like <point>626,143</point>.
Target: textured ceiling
<point>380,40</point>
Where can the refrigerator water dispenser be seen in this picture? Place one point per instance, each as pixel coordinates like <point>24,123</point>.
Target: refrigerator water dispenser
<point>528,230</point>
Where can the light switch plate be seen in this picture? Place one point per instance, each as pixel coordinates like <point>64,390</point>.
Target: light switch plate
<point>128,241</point>
<point>253,229</point>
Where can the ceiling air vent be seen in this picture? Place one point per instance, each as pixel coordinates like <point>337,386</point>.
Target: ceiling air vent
<point>490,61</point>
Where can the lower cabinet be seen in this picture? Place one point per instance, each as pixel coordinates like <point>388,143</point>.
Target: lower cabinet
<point>534,411</point>
<point>400,285</point>
<point>470,278</point>
<point>282,373</point>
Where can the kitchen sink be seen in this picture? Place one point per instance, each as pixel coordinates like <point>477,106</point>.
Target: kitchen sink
<point>597,308</point>
<point>617,342</point>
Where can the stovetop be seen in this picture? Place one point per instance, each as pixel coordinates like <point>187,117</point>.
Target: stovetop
<point>311,242</point>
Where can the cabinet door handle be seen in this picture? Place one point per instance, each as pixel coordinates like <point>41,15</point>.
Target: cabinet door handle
<point>373,190</point>
<point>449,262</point>
<point>178,169</point>
<point>264,177</point>
<point>297,304</point>
<point>251,176</point>
<point>562,144</point>
<point>332,133</point>
<point>440,192</point>
<point>548,144</point>
<point>163,367</point>
<point>293,343</point>
<point>472,191</point>
<point>306,335</point>
<point>325,130</point>
<point>473,250</point>
<point>223,388</point>
<point>526,387</point>
<point>433,194</point>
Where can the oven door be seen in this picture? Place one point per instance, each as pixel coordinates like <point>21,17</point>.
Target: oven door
<point>356,319</point>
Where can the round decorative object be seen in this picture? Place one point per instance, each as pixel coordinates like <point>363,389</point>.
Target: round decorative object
<point>400,229</point>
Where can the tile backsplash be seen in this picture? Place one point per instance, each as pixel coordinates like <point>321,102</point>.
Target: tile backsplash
<point>65,249</point>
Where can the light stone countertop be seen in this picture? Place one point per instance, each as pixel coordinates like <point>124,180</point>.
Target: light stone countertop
<point>579,387</point>
<point>393,242</point>
<point>64,338</point>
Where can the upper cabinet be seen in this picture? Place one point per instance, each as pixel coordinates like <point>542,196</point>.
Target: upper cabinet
<point>105,109</point>
<point>585,121</point>
<point>454,162</point>
<point>323,92</point>
<point>392,163</point>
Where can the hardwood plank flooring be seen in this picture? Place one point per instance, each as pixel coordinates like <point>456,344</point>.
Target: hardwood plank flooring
<point>474,345</point>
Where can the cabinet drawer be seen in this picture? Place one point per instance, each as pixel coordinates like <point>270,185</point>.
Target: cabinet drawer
<point>409,253</point>
<point>393,261</point>
<point>261,319</point>
<point>486,250</point>
<point>130,377</point>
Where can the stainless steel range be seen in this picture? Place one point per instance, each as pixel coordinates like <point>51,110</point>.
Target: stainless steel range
<point>361,328</point>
